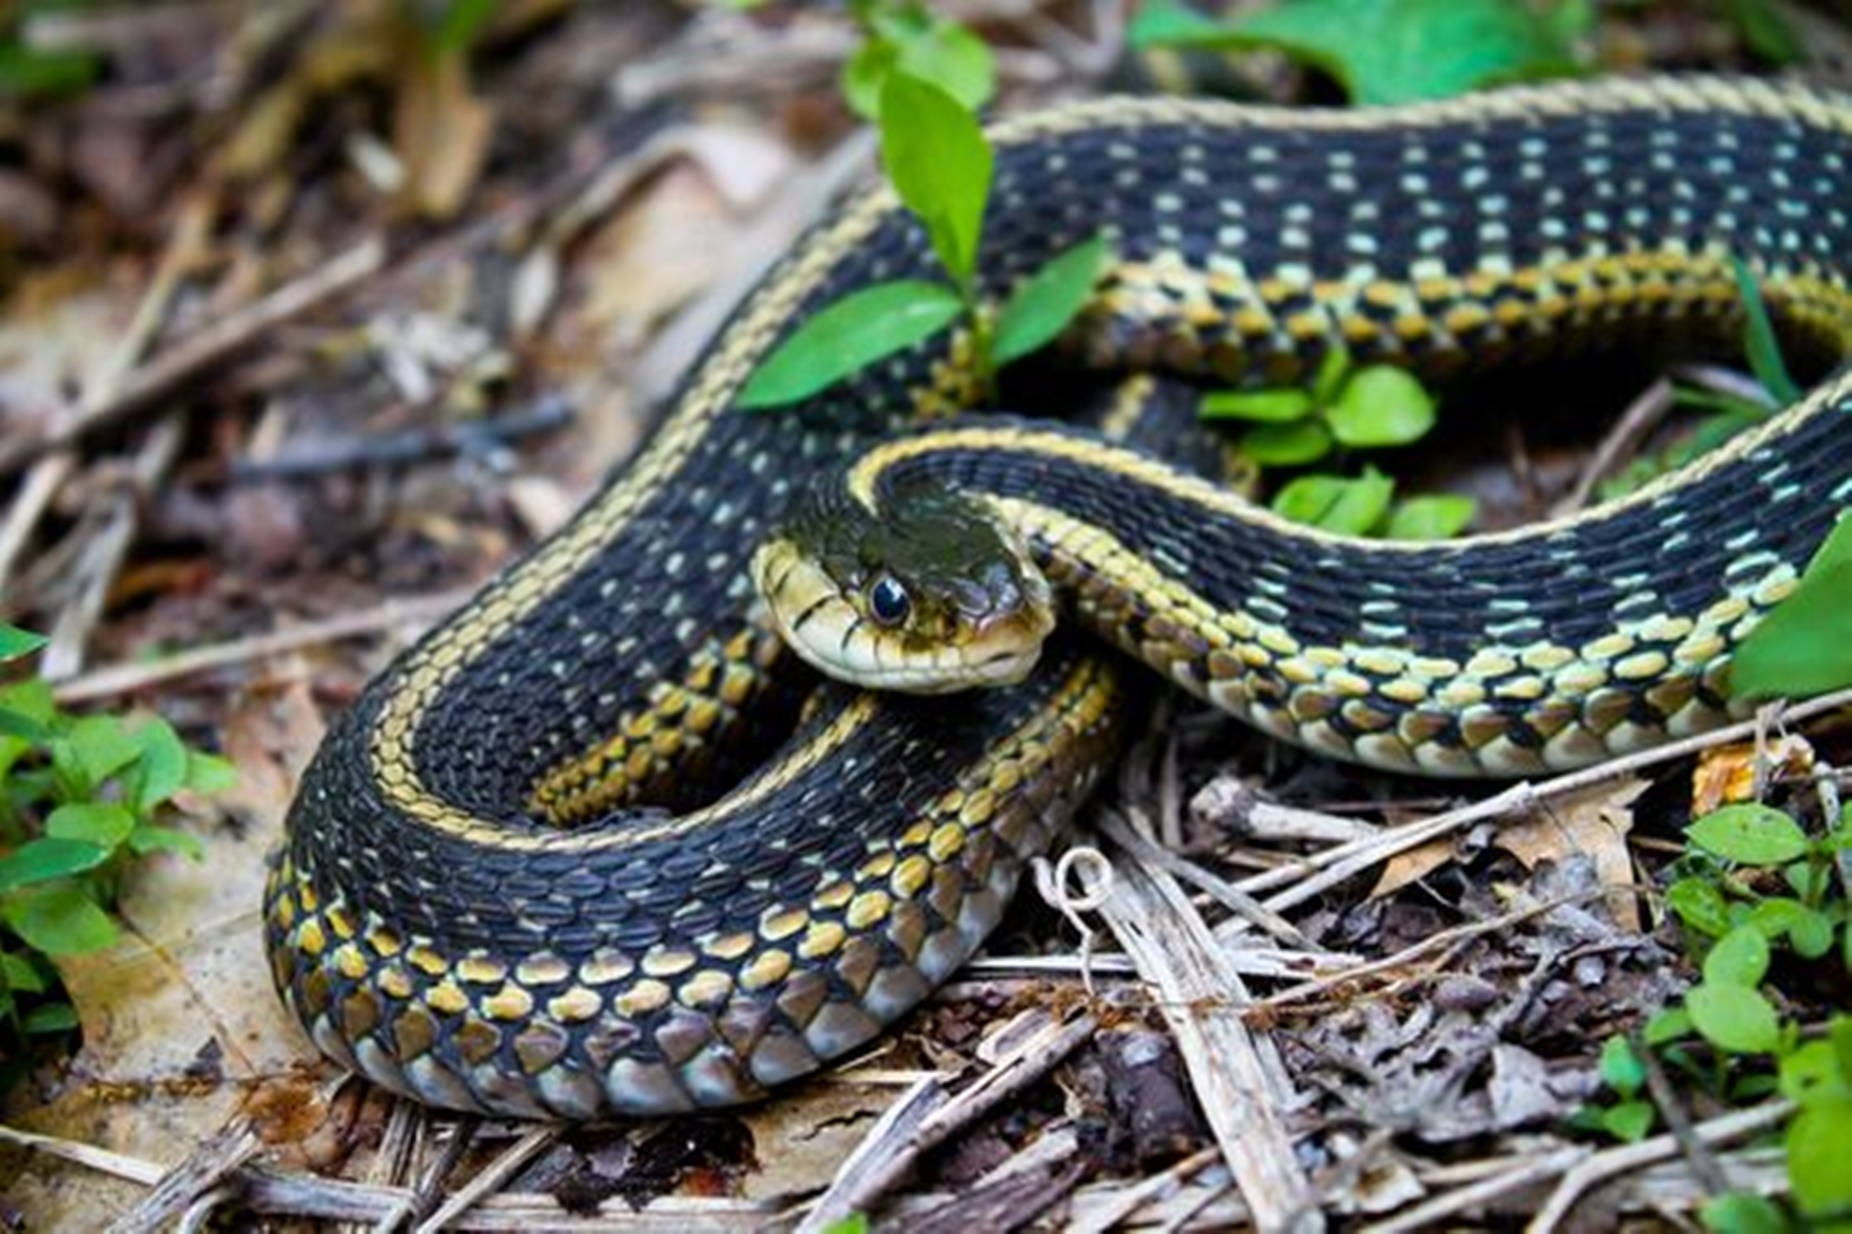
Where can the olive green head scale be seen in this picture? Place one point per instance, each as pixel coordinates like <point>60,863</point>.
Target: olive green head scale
<point>920,591</point>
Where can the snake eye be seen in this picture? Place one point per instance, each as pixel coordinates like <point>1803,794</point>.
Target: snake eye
<point>888,602</point>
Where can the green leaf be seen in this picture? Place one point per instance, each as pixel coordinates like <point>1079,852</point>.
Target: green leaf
<point>1347,507</point>
<point>1817,1140</point>
<point>1759,338</point>
<point>1047,301</point>
<point>147,839</point>
<point>850,334</point>
<point>863,75</point>
<point>15,642</point>
<point>94,822</point>
<point>1621,1068</point>
<point>20,974</point>
<point>1749,833</point>
<point>1808,1069</point>
<point>1629,1121</point>
<point>50,1018</point>
<point>1839,1032</point>
<point>460,24</point>
<point>59,920</point>
<point>1764,29</point>
<point>41,860</point>
<point>163,764</point>
<point>101,747</point>
<point>1741,1212</point>
<point>1739,958</point>
<point>1262,406</point>
<point>207,774</point>
<point>1286,445</point>
<point>1439,516</point>
<point>1164,23</point>
<point>1809,881</point>
<point>1385,51</point>
<point>27,714</point>
<point>1733,1017</point>
<point>1800,647</point>
<point>1777,915</point>
<point>940,164</point>
<point>31,698</point>
<point>1333,368</point>
<point>1665,1026</point>
<point>854,1223</point>
<point>22,730</point>
<point>33,72</point>
<point>1381,406</point>
<point>948,55</point>
<point>927,46</point>
<point>1812,935</point>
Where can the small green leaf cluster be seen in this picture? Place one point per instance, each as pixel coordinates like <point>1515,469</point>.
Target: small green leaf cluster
<point>1734,852</point>
<point>1370,407</point>
<point>912,39</point>
<point>940,164</point>
<point>1388,51</point>
<point>80,797</point>
<point>1721,897</point>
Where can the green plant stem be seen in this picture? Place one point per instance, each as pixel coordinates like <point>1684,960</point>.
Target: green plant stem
<point>983,336</point>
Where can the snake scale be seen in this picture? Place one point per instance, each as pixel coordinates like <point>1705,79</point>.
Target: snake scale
<point>544,867</point>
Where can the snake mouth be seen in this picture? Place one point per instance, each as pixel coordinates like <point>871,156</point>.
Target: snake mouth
<point>818,621</point>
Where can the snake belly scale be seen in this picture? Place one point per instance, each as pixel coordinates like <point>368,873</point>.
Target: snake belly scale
<point>540,869</point>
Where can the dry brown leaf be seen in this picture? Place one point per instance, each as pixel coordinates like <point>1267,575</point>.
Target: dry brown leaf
<point>802,1138</point>
<point>674,239</point>
<point>1411,865</point>
<point>1727,774</point>
<point>441,132</point>
<point>1594,821</point>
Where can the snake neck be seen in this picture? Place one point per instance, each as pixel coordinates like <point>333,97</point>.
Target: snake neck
<point>1545,648</point>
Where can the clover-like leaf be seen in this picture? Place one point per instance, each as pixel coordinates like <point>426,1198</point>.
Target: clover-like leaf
<point>1437,516</point>
<point>1749,833</point>
<point>1738,958</point>
<point>1381,406</point>
<point>1816,1142</point>
<point>1733,1017</point>
<point>1345,506</point>
<point>1291,444</point>
<point>1621,1069</point>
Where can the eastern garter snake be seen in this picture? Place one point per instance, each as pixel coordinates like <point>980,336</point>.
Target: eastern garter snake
<point>515,878</point>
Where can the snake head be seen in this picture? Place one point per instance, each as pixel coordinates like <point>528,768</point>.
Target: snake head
<point>926,594</point>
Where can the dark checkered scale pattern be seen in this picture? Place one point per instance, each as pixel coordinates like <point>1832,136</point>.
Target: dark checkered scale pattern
<point>585,850</point>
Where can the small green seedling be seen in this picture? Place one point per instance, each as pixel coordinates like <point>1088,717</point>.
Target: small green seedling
<point>81,798</point>
<point>940,164</point>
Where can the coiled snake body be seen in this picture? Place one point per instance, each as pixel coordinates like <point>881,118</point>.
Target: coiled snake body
<point>534,871</point>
